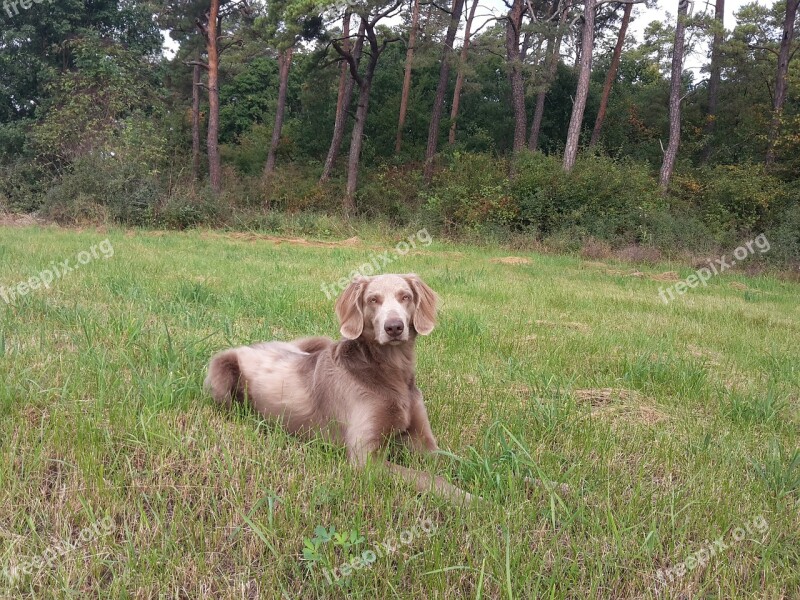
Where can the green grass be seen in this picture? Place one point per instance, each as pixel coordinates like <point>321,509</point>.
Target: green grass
<point>654,428</point>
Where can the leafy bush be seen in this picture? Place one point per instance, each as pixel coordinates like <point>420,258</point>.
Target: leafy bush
<point>186,208</point>
<point>22,185</point>
<point>732,199</point>
<point>125,194</point>
<point>784,237</point>
<point>471,193</point>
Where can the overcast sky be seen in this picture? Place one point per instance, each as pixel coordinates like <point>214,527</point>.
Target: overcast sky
<point>641,18</point>
<point>699,58</point>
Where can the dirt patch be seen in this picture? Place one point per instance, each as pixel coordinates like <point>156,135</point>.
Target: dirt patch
<point>627,413</point>
<point>619,406</point>
<point>603,396</point>
<point>511,260</point>
<point>277,240</point>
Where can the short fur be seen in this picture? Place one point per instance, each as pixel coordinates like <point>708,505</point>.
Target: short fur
<point>360,390</point>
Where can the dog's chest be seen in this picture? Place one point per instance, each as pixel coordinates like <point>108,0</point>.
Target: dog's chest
<point>397,413</point>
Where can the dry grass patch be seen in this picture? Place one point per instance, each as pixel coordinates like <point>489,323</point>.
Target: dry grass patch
<point>511,260</point>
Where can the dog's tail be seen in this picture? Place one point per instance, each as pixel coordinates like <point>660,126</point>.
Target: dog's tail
<point>224,379</point>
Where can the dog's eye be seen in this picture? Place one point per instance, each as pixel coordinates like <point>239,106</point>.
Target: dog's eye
<point>373,300</point>
<point>406,297</point>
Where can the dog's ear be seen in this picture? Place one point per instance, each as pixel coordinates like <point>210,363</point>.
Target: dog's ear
<point>425,300</point>
<point>349,311</point>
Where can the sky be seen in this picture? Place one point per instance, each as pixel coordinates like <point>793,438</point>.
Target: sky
<point>641,18</point>
<point>699,58</point>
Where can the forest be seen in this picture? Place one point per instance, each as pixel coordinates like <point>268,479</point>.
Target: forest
<point>531,121</point>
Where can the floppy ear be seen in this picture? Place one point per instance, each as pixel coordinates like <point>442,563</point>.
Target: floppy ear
<point>348,309</point>
<point>425,300</point>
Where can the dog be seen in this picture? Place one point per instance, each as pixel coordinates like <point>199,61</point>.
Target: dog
<point>359,391</point>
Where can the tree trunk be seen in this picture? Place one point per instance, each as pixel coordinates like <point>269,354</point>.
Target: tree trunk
<point>612,74</point>
<point>514,58</point>
<point>214,167</point>
<point>780,79</point>
<point>357,138</point>
<point>714,77</point>
<point>285,63</point>
<point>675,89</point>
<point>344,101</point>
<point>441,88</point>
<point>196,122</point>
<point>579,105</point>
<point>412,39</point>
<point>460,77</point>
<point>553,56</point>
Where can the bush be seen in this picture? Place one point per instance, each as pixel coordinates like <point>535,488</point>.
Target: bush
<point>784,238</point>
<point>471,193</point>
<point>391,192</point>
<point>186,208</point>
<point>22,186</point>
<point>103,184</point>
<point>732,200</point>
<point>601,197</point>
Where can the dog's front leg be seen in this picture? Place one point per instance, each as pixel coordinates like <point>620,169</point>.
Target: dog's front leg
<point>362,448</point>
<point>425,482</point>
<point>419,433</point>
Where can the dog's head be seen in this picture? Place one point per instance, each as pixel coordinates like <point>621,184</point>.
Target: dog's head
<point>384,308</point>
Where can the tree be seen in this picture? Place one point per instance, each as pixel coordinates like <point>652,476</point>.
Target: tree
<point>284,63</point>
<point>675,89</point>
<point>514,63</point>
<point>412,38</point>
<point>285,24</point>
<point>579,105</point>
<point>441,87</point>
<point>612,74</point>
<point>345,95</point>
<point>460,77</point>
<point>552,56</point>
<point>715,74</point>
<point>370,18</point>
<point>209,23</point>
<point>196,121</point>
<point>210,27</point>
<point>784,56</point>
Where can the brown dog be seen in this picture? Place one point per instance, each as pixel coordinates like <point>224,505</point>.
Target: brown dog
<point>359,391</point>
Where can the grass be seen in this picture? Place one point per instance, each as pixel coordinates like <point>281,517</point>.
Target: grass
<point>652,429</point>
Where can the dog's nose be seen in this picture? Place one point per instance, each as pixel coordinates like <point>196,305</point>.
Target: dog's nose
<point>394,327</point>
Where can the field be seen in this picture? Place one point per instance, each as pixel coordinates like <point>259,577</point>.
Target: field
<point>663,437</point>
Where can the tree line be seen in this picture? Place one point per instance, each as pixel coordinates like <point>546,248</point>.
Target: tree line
<point>257,85</point>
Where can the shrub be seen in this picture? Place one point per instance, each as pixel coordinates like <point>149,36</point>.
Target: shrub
<point>600,197</point>
<point>126,194</point>
<point>471,193</point>
<point>734,199</point>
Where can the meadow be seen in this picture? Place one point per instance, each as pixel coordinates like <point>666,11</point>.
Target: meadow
<point>659,440</point>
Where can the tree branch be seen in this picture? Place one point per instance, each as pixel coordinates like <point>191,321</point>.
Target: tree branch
<point>197,63</point>
<point>351,61</point>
